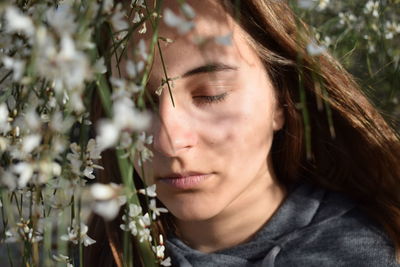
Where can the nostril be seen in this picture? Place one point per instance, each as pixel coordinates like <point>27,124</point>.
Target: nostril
<point>174,142</point>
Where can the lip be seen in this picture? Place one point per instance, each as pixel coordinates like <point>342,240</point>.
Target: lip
<point>184,181</point>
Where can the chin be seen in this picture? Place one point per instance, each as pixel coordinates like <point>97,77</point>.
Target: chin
<point>191,216</point>
<point>187,212</point>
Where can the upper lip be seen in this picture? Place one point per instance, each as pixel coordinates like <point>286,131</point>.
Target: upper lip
<point>177,175</point>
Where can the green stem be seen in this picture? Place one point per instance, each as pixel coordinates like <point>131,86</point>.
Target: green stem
<point>165,74</point>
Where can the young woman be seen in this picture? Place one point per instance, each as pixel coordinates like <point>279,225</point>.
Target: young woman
<point>252,169</point>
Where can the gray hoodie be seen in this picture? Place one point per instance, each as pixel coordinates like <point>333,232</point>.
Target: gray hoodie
<point>313,227</point>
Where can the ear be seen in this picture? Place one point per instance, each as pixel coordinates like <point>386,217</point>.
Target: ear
<point>278,119</point>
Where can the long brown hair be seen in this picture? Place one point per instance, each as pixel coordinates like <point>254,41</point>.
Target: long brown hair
<point>333,136</point>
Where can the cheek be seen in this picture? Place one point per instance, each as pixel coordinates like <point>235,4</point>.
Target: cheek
<point>242,137</point>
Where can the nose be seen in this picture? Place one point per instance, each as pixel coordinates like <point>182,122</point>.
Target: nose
<point>173,133</point>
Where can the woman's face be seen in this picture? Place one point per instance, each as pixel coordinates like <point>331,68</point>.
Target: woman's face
<point>211,150</point>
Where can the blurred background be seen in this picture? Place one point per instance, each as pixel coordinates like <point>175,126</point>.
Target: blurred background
<point>365,36</point>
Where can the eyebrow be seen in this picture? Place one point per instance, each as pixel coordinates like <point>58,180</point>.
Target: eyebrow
<point>210,67</point>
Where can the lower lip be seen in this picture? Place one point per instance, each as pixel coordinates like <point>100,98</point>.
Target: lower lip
<point>187,182</point>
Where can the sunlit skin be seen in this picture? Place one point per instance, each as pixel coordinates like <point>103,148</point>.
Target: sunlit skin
<point>221,126</point>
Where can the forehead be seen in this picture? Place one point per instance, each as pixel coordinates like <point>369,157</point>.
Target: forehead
<point>215,37</point>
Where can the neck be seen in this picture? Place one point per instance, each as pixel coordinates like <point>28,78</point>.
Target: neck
<point>237,223</point>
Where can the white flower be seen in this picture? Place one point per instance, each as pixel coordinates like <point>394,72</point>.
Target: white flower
<point>142,49</point>
<point>166,262</point>
<point>183,26</point>
<point>92,153</point>
<point>24,171</point>
<point>313,49</point>
<point>156,211</point>
<point>188,11</point>
<point>107,6</point>
<point>30,142</point>
<point>5,126</point>
<point>61,258</point>
<point>27,233</point>
<point>99,66</point>
<point>48,169</point>
<point>117,20</point>
<point>144,152</point>
<point>224,39</point>
<point>74,236</point>
<point>391,28</point>
<point>11,236</point>
<point>118,84</point>
<point>3,113</point>
<point>134,210</point>
<point>371,48</point>
<point>68,68</point>
<point>372,7</point>
<point>59,123</point>
<point>130,223</point>
<point>8,179</point>
<point>108,134</point>
<point>75,158</point>
<point>16,65</point>
<point>322,4</point>
<point>346,18</point>
<point>88,172</point>
<point>138,3</point>
<point>69,54</point>
<point>104,192</point>
<point>108,199</point>
<point>133,69</point>
<point>144,221</point>
<point>159,251</point>
<point>4,143</point>
<point>32,119</point>
<point>127,117</point>
<point>306,4</point>
<point>136,18</point>
<point>144,235</point>
<point>93,150</point>
<point>62,19</point>
<point>149,191</point>
<point>16,21</point>
<point>143,29</point>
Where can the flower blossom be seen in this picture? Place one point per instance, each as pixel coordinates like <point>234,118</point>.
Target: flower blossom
<point>87,162</point>
<point>125,118</point>
<point>74,236</point>
<point>62,19</point>
<point>391,29</point>
<point>16,65</point>
<point>154,210</point>
<point>27,233</point>
<point>137,224</point>
<point>141,146</point>
<point>314,50</point>
<point>5,126</point>
<point>108,199</point>
<point>16,21</point>
<point>372,7</point>
<point>181,24</point>
<point>149,191</point>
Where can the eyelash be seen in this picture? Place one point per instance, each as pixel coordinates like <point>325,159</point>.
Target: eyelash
<point>211,99</point>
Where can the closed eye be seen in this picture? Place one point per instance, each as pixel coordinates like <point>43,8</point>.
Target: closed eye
<point>210,99</point>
